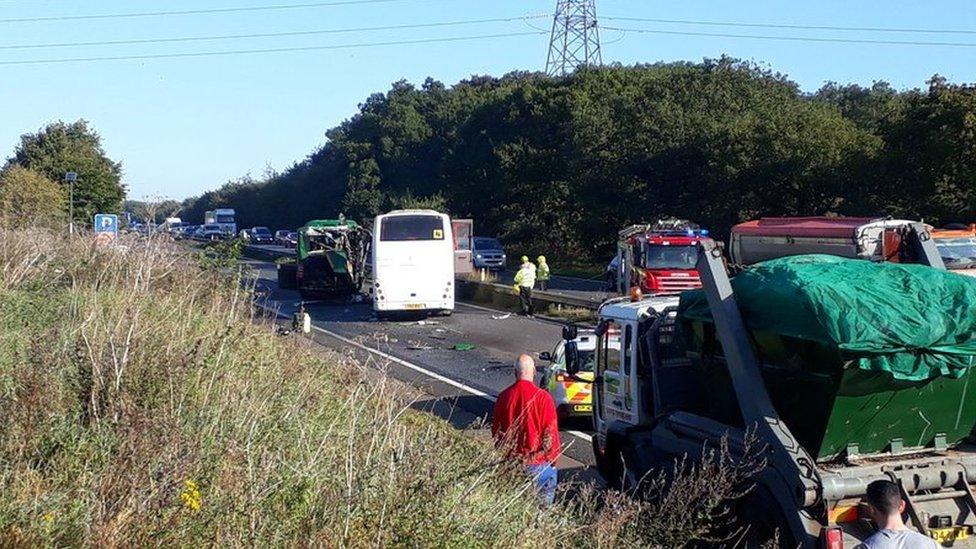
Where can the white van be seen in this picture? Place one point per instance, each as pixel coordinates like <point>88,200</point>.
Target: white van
<point>413,262</point>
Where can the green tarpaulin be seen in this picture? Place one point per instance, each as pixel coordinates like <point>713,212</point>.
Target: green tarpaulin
<point>912,321</point>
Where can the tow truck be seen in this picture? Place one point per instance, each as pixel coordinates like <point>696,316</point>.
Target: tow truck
<point>658,258</point>
<point>675,388</point>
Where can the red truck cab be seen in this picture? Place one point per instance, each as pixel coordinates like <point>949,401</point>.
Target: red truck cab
<point>662,260</point>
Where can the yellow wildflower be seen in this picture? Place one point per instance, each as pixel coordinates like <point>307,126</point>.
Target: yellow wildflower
<point>48,517</point>
<point>190,496</point>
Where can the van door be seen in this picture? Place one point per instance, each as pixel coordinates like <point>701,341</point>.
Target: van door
<point>463,230</point>
<point>616,365</point>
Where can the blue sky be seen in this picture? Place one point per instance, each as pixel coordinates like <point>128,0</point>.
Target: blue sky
<point>182,126</point>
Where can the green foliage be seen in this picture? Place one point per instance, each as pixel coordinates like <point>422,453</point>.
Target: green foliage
<point>59,148</point>
<point>557,166</point>
<point>27,198</point>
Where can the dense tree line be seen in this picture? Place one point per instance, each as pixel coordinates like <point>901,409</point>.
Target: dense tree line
<point>32,181</point>
<point>557,166</point>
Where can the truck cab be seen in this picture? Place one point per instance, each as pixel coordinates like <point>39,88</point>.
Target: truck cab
<point>958,249</point>
<point>659,257</point>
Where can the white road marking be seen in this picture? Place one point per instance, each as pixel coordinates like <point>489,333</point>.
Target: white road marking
<point>414,367</point>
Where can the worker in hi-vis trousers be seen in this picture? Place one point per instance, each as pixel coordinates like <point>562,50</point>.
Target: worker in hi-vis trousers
<point>524,282</point>
<point>542,273</point>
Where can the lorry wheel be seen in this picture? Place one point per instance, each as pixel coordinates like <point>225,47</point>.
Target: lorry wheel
<point>760,521</point>
<point>447,312</point>
<point>624,469</point>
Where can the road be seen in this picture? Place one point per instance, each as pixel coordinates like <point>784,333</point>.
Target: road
<point>420,351</point>
<point>589,290</point>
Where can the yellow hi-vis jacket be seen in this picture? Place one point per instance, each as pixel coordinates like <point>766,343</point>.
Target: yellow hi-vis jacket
<point>525,277</point>
<point>543,271</point>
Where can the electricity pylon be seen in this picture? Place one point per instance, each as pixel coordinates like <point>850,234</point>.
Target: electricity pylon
<point>575,40</point>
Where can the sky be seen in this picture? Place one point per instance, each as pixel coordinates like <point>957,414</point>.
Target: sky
<point>185,125</point>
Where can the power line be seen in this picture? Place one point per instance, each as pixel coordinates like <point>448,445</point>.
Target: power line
<point>267,50</point>
<point>194,12</point>
<point>790,26</point>
<point>266,34</point>
<point>799,38</point>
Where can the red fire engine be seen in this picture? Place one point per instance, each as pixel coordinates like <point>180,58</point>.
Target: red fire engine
<point>659,258</point>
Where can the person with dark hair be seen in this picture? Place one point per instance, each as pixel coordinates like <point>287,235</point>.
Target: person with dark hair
<point>884,508</point>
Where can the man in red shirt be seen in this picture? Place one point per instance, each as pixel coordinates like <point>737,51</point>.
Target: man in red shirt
<point>524,423</point>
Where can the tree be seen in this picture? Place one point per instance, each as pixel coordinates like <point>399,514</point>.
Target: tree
<point>59,148</point>
<point>28,199</point>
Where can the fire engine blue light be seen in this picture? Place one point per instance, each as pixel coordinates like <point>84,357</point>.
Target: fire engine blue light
<point>704,233</point>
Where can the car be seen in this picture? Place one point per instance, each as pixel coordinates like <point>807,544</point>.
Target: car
<point>260,235</point>
<point>573,396</point>
<point>184,232</point>
<point>286,238</point>
<point>489,253</point>
<point>292,239</point>
<point>209,232</point>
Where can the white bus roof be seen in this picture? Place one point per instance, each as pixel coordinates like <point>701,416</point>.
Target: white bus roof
<point>412,212</point>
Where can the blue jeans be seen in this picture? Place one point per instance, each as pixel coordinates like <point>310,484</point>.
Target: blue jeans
<point>545,478</point>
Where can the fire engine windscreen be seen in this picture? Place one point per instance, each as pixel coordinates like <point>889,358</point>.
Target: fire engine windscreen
<point>910,321</point>
<point>670,257</point>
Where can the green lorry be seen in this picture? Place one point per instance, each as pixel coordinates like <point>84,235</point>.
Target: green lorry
<point>331,261</point>
<point>844,371</point>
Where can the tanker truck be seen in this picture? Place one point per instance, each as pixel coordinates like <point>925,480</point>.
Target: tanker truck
<point>843,371</point>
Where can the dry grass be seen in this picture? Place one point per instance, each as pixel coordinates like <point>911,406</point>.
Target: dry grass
<point>144,405</point>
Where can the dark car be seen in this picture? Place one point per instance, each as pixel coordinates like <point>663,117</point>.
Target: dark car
<point>260,235</point>
<point>488,253</point>
<point>292,239</point>
<point>286,238</point>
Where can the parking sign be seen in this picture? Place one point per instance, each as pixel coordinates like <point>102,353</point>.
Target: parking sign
<point>106,223</point>
<point>106,228</point>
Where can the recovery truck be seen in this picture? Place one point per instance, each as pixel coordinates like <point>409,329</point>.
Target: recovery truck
<point>827,423</point>
<point>331,259</point>
<point>658,258</point>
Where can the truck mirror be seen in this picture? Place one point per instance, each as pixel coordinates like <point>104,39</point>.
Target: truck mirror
<point>572,358</point>
<point>570,332</point>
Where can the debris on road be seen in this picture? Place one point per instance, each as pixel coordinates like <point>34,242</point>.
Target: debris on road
<point>463,347</point>
<point>501,317</point>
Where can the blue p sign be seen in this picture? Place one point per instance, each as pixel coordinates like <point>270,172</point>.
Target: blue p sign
<point>106,223</point>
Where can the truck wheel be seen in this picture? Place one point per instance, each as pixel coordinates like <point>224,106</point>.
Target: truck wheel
<point>624,469</point>
<point>447,312</point>
<point>760,521</point>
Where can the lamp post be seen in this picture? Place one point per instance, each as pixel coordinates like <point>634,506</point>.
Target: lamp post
<point>70,178</point>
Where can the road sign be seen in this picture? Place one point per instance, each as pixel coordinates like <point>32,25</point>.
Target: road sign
<point>106,223</point>
<point>106,228</point>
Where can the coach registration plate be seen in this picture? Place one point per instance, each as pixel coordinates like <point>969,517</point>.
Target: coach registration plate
<point>414,306</point>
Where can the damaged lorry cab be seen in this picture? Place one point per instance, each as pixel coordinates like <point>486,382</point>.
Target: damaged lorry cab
<point>332,256</point>
<point>835,372</point>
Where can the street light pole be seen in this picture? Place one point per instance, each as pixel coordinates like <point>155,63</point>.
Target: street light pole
<point>70,178</point>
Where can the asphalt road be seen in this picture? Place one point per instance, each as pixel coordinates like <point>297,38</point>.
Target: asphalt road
<point>591,290</point>
<point>420,351</point>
